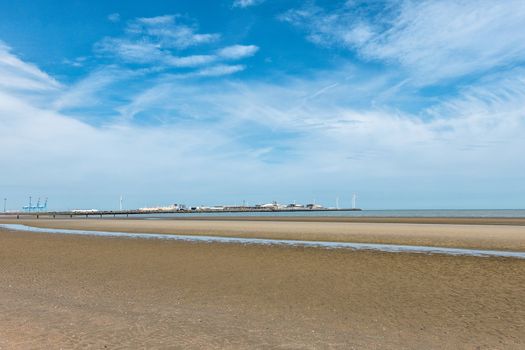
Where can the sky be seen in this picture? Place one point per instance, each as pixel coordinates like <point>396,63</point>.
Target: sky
<point>409,104</point>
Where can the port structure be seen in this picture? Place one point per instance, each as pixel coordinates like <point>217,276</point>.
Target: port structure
<point>35,208</point>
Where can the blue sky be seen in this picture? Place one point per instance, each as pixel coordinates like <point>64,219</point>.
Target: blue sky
<point>411,104</point>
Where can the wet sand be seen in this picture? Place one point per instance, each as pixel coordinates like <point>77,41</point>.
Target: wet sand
<point>475,236</point>
<point>61,291</point>
<point>514,221</point>
<point>369,219</point>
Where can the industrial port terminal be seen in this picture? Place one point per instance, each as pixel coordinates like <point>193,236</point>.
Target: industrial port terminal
<point>40,210</point>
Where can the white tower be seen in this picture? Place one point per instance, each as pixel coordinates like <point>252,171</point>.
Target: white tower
<point>354,200</point>
<point>120,202</point>
<point>336,202</point>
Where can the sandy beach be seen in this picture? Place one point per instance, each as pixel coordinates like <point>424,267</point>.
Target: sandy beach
<point>62,291</point>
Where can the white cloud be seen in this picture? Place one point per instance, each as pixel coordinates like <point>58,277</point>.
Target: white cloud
<point>236,52</point>
<point>288,136</point>
<point>71,156</point>
<point>462,136</point>
<point>246,3</point>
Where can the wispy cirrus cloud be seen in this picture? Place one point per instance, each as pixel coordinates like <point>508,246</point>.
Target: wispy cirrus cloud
<point>19,75</point>
<point>168,33</point>
<point>220,70</point>
<point>149,50</point>
<point>432,40</point>
<point>131,51</point>
<point>94,90</point>
<point>236,52</point>
<point>246,3</point>
<point>341,27</point>
<point>162,40</point>
<point>114,17</point>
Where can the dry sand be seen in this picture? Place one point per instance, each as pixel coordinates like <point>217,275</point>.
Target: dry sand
<point>478,236</point>
<point>60,291</point>
<point>85,292</point>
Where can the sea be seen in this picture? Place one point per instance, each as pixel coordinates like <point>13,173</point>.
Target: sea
<point>459,213</point>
